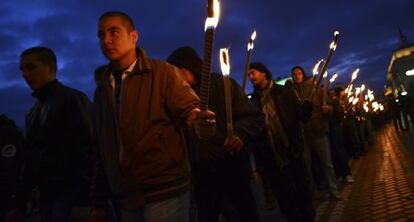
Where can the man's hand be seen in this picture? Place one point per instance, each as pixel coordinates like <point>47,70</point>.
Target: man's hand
<point>202,122</point>
<point>233,143</point>
<point>326,109</point>
<point>205,124</point>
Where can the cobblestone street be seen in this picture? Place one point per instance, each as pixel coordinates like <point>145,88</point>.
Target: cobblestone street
<point>383,189</point>
<point>384,182</point>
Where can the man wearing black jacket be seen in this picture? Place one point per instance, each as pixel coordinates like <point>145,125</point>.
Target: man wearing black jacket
<point>280,149</point>
<point>220,166</point>
<point>11,144</point>
<point>59,140</point>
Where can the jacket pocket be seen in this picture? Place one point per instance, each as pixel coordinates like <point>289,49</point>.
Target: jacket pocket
<point>155,157</point>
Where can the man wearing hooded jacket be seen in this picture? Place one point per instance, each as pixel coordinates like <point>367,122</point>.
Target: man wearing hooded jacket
<point>317,129</point>
<point>280,147</point>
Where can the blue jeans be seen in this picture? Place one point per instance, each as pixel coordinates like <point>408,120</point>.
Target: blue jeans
<point>321,146</point>
<point>175,209</point>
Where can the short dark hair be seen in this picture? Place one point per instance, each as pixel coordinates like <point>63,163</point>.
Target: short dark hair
<point>300,68</point>
<point>44,54</point>
<point>261,68</point>
<point>129,24</point>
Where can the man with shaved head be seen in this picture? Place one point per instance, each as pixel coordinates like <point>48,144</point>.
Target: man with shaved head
<point>141,106</point>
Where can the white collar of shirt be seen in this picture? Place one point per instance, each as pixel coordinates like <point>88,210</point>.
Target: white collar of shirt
<point>124,74</point>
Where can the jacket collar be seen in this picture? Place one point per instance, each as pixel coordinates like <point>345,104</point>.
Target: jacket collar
<point>269,85</point>
<point>43,92</point>
<point>142,65</point>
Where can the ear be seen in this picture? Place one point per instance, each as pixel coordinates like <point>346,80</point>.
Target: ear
<point>134,36</point>
<point>186,72</point>
<point>188,76</point>
<point>51,71</point>
<point>51,74</point>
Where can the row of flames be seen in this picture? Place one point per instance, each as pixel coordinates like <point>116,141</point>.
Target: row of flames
<point>320,72</point>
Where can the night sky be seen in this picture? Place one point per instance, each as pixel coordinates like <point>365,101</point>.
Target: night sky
<point>289,33</point>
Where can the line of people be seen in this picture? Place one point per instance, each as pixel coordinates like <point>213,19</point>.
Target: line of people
<point>147,150</point>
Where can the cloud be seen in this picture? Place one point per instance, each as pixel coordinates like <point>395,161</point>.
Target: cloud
<point>289,33</point>
<point>15,102</point>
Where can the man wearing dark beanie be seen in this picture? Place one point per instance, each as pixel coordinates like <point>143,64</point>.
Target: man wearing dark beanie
<point>262,68</point>
<point>280,148</point>
<point>186,58</point>
<point>220,165</point>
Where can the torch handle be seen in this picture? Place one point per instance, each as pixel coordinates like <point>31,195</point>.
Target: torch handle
<point>347,87</point>
<point>206,68</point>
<point>324,68</point>
<point>229,112</point>
<point>325,65</point>
<point>325,90</point>
<point>246,70</point>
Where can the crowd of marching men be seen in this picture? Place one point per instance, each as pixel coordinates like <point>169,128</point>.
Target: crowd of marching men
<point>159,143</point>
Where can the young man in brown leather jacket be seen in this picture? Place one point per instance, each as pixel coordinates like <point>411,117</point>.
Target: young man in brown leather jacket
<point>140,107</point>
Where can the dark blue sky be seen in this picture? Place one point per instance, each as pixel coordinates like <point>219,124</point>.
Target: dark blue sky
<point>289,33</point>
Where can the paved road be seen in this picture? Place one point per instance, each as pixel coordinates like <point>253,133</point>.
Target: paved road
<point>384,182</point>
<point>383,188</point>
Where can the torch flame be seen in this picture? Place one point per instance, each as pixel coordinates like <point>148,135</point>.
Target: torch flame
<point>350,89</point>
<point>362,87</point>
<point>334,42</point>
<point>375,106</point>
<point>224,61</point>
<point>253,37</point>
<point>332,45</point>
<point>357,91</point>
<point>211,22</point>
<point>250,45</point>
<point>355,74</point>
<point>410,72</point>
<point>371,96</point>
<point>355,101</point>
<point>366,108</point>
<point>333,78</point>
<point>316,67</point>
